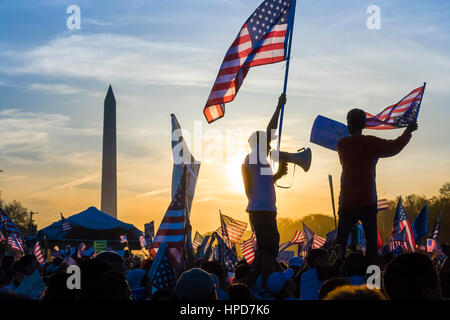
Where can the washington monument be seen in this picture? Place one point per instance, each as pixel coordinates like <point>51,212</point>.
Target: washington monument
<point>109,161</point>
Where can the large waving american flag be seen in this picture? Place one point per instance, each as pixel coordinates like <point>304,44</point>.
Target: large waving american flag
<point>397,115</point>
<point>401,229</point>
<point>248,248</point>
<point>172,228</point>
<point>261,40</point>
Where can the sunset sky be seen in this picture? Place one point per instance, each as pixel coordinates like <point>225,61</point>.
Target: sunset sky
<point>162,57</point>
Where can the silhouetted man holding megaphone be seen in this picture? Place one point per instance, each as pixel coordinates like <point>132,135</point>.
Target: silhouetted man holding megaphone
<point>260,190</point>
<point>358,155</point>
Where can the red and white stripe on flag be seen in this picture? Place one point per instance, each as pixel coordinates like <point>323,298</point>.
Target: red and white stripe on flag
<point>318,241</point>
<point>260,41</point>
<point>298,237</point>
<point>248,249</point>
<point>37,251</point>
<point>234,228</point>
<point>410,244</point>
<point>386,118</point>
<point>15,243</point>
<point>382,204</point>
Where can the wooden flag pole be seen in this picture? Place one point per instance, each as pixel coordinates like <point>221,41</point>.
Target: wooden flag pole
<point>330,179</point>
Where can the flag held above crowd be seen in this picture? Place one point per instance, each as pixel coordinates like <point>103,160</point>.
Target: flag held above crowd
<point>398,115</point>
<point>263,39</point>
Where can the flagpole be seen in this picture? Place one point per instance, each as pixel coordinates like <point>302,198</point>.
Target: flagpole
<point>288,58</point>
<point>330,179</point>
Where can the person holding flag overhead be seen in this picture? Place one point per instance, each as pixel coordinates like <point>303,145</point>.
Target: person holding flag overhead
<point>358,155</point>
<point>260,190</point>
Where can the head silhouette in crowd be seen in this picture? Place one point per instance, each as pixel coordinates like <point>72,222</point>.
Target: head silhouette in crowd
<point>411,276</point>
<point>354,265</point>
<point>114,259</point>
<point>330,285</point>
<point>195,284</point>
<point>355,293</point>
<point>216,268</point>
<point>241,272</point>
<point>356,121</point>
<point>239,292</point>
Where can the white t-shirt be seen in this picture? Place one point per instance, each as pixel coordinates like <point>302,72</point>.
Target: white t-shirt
<point>262,190</point>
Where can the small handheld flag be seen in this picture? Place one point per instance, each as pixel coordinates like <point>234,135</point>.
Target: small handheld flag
<point>37,251</point>
<point>398,115</point>
<point>123,239</point>
<point>382,204</point>
<point>65,224</point>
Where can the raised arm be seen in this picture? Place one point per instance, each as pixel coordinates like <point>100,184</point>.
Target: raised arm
<point>388,148</point>
<point>273,123</point>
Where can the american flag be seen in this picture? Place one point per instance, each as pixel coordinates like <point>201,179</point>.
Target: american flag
<point>65,224</point>
<point>226,256</point>
<point>8,226</point>
<point>397,115</point>
<point>435,233</point>
<point>162,274</point>
<point>15,243</point>
<point>248,249</point>
<point>397,240</point>
<point>400,224</point>
<point>382,204</point>
<point>232,229</point>
<point>123,239</point>
<point>318,241</point>
<point>298,238</point>
<point>172,228</point>
<point>198,239</point>
<point>219,232</point>
<point>262,40</point>
<point>37,251</point>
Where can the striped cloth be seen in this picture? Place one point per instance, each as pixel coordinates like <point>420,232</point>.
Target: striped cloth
<point>219,233</point>
<point>65,224</point>
<point>318,241</point>
<point>248,249</point>
<point>382,204</point>
<point>15,243</point>
<point>198,239</point>
<point>8,226</point>
<point>233,229</point>
<point>398,115</point>
<point>172,228</point>
<point>298,238</point>
<point>261,40</point>
<point>37,251</point>
<point>401,224</point>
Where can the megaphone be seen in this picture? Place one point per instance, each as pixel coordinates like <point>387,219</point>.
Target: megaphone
<point>302,158</point>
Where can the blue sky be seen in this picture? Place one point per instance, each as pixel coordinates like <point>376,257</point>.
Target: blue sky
<point>162,57</point>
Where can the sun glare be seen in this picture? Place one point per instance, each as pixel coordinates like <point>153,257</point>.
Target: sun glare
<point>233,168</point>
